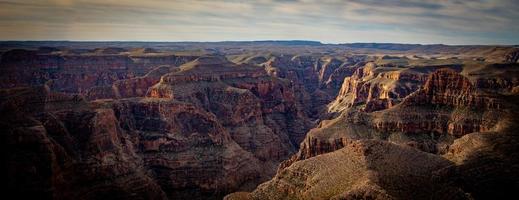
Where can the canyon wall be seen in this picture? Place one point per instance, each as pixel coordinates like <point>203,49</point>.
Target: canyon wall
<point>142,123</point>
<point>199,130</point>
<point>445,113</point>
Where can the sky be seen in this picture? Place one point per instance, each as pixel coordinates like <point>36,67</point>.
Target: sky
<point>328,21</point>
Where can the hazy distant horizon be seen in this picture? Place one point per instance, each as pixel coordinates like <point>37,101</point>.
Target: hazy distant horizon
<point>489,22</point>
<point>245,41</point>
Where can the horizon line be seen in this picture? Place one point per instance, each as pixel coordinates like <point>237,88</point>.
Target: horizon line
<point>244,41</point>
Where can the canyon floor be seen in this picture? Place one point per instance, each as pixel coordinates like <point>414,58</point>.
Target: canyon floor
<point>258,120</point>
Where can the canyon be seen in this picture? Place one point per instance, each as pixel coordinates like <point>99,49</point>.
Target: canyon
<point>258,120</point>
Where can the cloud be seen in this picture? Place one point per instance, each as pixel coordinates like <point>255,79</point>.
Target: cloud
<point>408,21</point>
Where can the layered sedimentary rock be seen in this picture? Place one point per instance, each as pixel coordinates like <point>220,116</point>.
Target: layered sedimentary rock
<point>447,87</point>
<point>88,73</point>
<point>57,148</point>
<point>380,87</point>
<point>134,148</point>
<point>167,122</point>
<point>223,128</point>
<point>480,125</point>
<point>131,87</point>
<point>201,130</point>
<point>260,112</point>
<point>446,107</point>
<point>487,163</point>
<point>319,77</point>
<point>188,151</point>
<point>512,56</point>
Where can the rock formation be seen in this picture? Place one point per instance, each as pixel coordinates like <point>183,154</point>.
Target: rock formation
<point>56,147</point>
<point>364,169</point>
<point>201,130</point>
<point>201,121</point>
<point>460,110</point>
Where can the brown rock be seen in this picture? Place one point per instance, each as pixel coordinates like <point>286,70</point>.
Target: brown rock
<point>364,168</point>
<point>61,152</point>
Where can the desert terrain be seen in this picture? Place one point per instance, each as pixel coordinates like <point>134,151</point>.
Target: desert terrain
<point>259,120</point>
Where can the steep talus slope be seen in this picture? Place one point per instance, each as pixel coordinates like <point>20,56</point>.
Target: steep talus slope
<point>487,162</point>
<point>364,169</point>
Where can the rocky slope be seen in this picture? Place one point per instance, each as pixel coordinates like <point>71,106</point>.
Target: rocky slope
<point>364,169</point>
<point>201,130</point>
<point>317,77</point>
<point>257,109</point>
<point>457,106</point>
<point>448,115</point>
<point>56,147</point>
<point>132,148</point>
<point>200,121</point>
<point>187,150</point>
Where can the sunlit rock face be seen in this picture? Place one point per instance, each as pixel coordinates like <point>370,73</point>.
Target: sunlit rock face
<point>323,155</point>
<point>450,94</point>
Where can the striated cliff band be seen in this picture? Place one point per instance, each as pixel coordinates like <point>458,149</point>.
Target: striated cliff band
<point>258,120</point>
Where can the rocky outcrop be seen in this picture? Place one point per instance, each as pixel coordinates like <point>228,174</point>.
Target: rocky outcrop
<point>319,77</point>
<point>260,112</point>
<point>312,147</point>
<point>222,128</point>
<point>326,67</point>
<point>313,72</point>
<point>362,169</point>
<point>487,161</point>
<point>482,164</point>
<point>55,151</point>
<point>446,96</point>
<point>139,86</point>
<point>379,87</point>
<point>134,148</point>
<point>207,116</point>
<point>497,78</point>
<point>447,87</point>
<point>512,56</point>
<point>336,78</point>
<point>188,151</point>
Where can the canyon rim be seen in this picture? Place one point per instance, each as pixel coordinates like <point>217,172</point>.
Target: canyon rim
<point>242,100</point>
